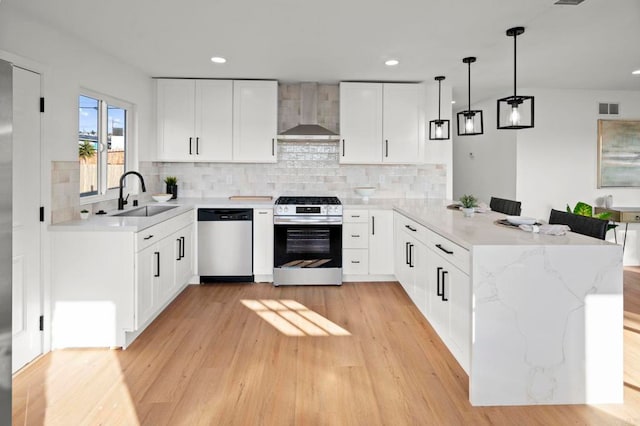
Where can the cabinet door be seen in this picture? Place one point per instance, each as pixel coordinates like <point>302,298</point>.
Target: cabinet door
<point>381,256</point>
<point>263,242</point>
<point>213,120</point>
<point>184,257</point>
<point>166,273</point>
<point>400,257</point>
<point>458,288</point>
<point>355,261</point>
<point>420,277</point>
<point>176,119</point>
<point>360,123</point>
<point>147,264</point>
<point>402,123</point>
<point>255,121</point>
<point>438,275</point>
<point>355,235</point>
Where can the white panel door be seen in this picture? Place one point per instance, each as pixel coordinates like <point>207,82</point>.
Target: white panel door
<point>176,119</point>
<point>147,266</point>
<point>26,283</point>
<point>401,123</point>
<point>381,254</point>
<point>255,121</point>
<point>360,123</point>
<point>214,120</point>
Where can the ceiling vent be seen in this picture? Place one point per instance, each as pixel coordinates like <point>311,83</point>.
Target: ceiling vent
<point>608,109</point>
<point>569,2</point>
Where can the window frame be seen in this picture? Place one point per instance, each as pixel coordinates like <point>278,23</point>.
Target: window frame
<point>104,193</point>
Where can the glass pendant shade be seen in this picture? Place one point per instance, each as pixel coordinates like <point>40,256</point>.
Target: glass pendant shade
<point>470,121</point>
<point>439,129</point>
<point>515,112</point>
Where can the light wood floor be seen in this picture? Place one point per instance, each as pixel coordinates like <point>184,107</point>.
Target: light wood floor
<point>208,359</point>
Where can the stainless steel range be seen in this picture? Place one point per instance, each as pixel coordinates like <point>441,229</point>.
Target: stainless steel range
<point>307,241</point>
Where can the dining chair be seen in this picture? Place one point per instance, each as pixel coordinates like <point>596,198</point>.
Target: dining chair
<point>585,225</point>
<point>510,207</point>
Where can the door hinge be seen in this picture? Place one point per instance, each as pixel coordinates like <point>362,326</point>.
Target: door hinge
<point>41,104</point>
<point>41,322</point>
<point>41,213</point>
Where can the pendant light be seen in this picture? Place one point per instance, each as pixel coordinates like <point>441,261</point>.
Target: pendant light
<point>515,112</point>
<point>470,121</point>
<point>439,129</point>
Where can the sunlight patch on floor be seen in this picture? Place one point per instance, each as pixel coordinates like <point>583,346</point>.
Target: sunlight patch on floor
<point>293,318</point>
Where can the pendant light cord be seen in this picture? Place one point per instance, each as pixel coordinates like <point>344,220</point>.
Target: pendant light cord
<point>469,82</point>
<point>439,98</point>
<point>514,65</point>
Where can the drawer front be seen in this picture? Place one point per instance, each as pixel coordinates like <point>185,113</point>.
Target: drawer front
<point>151,235</point>
<point>354,235</point>
<point>630,217</point>
<point>355,261</point>
<point>411,227</point>
<point>355,216</point>
<point>458,256</point>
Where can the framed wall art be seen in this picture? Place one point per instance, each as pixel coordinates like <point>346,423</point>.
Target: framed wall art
<point>618,153</point>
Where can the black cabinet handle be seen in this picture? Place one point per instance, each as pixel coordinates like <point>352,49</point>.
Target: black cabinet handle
<point>344,144</point>
<point>386,147</point>
<point>411,246</point>
<point>190,143</point>
<point>406,252</point>
<point>444,249</point>
<point>373,225</point>
<point>198,146</point>
<point>157,254</point>
<point>355,261</point>
<point>355,236</point>
<point>181,247</point>
<point>438,291</point>
<point>263,212</point>
<point>410,228</point>
<point>444,299</point>
<point>273,147</point>
<point>148,237</point>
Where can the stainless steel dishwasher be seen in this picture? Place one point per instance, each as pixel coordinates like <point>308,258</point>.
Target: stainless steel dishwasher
<point>225,245</point>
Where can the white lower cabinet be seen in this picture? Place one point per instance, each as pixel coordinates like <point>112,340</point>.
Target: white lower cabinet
<point>367,242</point>
<point>263,245</point>
<point>435,274</point>
<point>108,298</point>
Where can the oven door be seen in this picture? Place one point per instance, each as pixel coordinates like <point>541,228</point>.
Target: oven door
<point>307,246</point>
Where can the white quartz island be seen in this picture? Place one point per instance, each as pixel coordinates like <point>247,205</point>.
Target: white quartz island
<point>546,311</point>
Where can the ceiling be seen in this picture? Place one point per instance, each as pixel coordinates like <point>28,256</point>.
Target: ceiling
<point>594,45</point>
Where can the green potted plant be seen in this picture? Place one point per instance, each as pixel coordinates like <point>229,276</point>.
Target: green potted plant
<point>84,214</point>
<point>468,202</point>
<point>172,186</point>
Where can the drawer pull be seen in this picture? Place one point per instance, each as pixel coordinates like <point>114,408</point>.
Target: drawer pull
<point>355,215</point>
<point>148,237</point>
<point>355,261</point>
<point>411,228</point>
<point>444,249</point>
<point>355,236</point>
<point>263,212</point>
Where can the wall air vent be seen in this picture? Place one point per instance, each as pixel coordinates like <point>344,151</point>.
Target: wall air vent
<point>608,109</point>
<point>569,2</point>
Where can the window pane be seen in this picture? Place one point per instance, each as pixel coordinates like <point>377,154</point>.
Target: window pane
<point>116,144</point>
<point>88,133</point>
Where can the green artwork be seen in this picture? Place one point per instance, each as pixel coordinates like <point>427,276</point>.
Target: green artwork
<point>618,153</point>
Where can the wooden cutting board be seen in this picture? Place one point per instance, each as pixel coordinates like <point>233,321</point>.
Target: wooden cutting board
<point>251,198</point>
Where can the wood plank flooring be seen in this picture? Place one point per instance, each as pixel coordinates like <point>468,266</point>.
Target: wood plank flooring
<point>209,359</point>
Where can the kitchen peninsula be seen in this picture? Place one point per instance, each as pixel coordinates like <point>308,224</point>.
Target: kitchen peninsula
<point>542,315</point>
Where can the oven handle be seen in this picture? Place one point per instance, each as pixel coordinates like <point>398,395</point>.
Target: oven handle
<point>307,220</point>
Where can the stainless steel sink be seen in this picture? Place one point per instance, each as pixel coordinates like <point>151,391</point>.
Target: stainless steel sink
<point>145,211</point>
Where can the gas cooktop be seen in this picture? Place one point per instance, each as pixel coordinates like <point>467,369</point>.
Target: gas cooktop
<point>309,201</point>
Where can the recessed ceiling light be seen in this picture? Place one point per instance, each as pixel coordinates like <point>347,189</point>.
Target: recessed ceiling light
<point>218,60</point>
<point>391,62</point>
<point>453,102</point>
<point>636,72</point>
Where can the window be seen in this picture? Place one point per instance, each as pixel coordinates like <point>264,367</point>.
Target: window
<point>102,144</point>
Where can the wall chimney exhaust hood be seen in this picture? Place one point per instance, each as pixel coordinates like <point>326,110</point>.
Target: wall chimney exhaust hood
<point>308,129</point>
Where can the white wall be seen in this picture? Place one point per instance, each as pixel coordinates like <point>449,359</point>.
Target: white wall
<point>485,165</point>
<point>69,65</point>
<point>439,152</point>
<point>557,160</point>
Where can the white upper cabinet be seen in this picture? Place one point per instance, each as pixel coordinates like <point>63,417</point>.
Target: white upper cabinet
<point>255,121</point>
<point>360,123</point>
<point>402,123</point>
<point>381,123</point>
<point>195,120</point>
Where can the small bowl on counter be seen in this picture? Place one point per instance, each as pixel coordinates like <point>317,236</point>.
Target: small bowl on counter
<point>365,191</point>
<point>161,198</point>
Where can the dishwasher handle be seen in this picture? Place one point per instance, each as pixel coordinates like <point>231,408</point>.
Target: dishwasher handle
<point>217,215</point>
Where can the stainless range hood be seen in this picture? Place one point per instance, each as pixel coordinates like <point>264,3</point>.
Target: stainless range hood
<point>308,129</point>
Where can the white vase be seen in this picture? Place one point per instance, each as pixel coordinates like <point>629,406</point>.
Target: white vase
<point>468,211</point>
<point>84,215</point>
<point>608,201</point>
